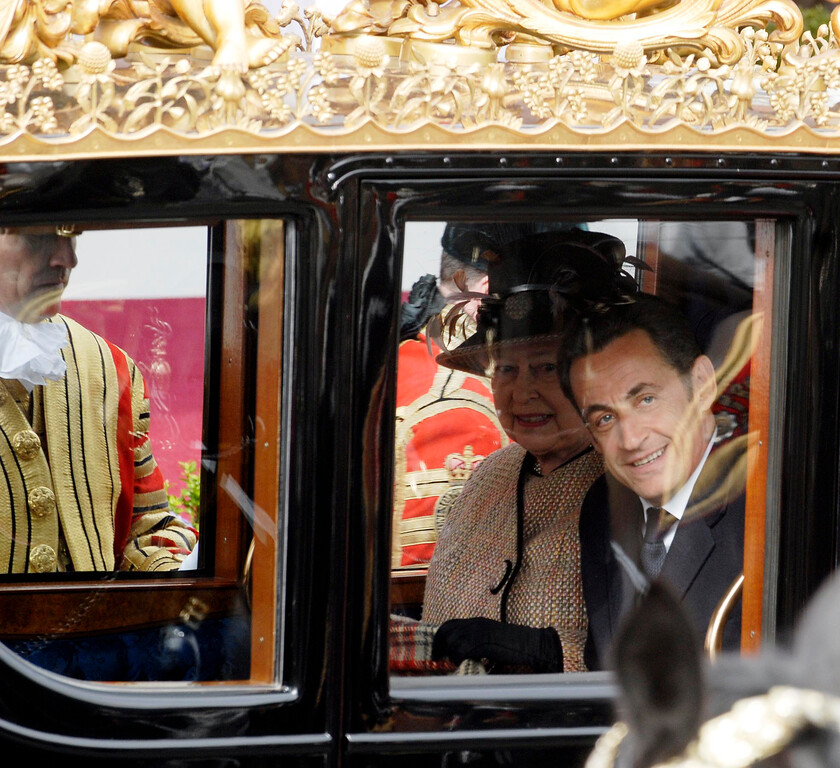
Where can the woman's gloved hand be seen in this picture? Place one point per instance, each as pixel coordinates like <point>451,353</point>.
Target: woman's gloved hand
<point>512,644</point>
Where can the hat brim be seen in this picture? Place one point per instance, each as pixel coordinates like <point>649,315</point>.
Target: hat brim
<point>475,354</point>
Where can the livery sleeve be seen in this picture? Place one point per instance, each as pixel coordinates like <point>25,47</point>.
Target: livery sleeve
<point>158,540</point>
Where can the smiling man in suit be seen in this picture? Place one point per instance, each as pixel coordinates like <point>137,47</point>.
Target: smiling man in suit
<point>671,504</point>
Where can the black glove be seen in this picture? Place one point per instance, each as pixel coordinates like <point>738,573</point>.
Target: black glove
<point>511,644</point>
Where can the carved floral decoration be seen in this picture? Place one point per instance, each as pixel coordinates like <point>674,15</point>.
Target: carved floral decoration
<point>774,84</point>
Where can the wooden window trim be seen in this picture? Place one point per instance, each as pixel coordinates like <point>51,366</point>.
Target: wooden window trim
<point>267,456</point>
<point>759,427</point>
<point>91,607</point>
<point>124,603</point>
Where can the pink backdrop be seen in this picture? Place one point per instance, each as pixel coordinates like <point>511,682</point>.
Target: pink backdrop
<point>165,337</point>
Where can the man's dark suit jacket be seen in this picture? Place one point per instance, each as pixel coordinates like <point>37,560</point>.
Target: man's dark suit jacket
<point>705,557</point>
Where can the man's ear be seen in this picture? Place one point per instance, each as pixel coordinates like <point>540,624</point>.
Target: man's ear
<point>704,382</point>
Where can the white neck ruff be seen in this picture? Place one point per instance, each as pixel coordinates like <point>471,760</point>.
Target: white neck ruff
<point>29,352</point>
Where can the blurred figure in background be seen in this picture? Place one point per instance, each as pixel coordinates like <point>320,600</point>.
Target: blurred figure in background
<point>446,422</point>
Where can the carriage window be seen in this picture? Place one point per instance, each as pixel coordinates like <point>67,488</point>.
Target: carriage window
<point>574,407</point>
<point>139,539</point>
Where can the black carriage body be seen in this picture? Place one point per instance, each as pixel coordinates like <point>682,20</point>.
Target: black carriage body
<point>345,220</point>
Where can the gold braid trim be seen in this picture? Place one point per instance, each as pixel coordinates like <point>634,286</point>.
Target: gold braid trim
<point>754,729</point>
<point>446,393</point>
<point>402,438</point>
<point>21,530</point>
<point>80,412</point>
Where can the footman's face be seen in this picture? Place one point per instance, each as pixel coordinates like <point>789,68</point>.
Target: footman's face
<point>35,266</point>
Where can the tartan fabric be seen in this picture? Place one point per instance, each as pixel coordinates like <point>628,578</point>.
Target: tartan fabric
<point>410,651</point>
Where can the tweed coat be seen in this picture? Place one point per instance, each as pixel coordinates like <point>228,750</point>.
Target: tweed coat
<point>492,562</point>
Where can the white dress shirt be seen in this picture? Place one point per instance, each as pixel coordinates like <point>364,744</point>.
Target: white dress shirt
<point>677,504</point>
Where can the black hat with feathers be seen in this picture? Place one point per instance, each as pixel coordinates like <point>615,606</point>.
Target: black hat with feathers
<point>535,282</point>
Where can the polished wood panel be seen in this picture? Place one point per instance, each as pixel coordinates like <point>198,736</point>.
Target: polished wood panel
<point>755,522</point>
<point>269,236</point>
<point>231,402</point>
<point>85,608</point>
<point>648,241</point>
<point>407,589</point>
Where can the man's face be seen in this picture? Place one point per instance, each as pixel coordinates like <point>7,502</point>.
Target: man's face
<point>35,266</point>
<point>651,424</point>
<point>531,406</point>
<point>448,288</point>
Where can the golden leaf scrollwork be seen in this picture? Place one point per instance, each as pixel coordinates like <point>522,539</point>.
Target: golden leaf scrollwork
<point>689,25</point>
<point>26,101</point>
<point>384,85</point>
<point>242,33</point>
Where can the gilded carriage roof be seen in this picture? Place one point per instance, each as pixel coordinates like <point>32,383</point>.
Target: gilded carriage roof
<point>117,77</point>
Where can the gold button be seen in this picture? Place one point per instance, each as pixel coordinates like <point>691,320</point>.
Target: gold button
<point>42,559</point>
<point>27,444</point>
<point>41,501</point>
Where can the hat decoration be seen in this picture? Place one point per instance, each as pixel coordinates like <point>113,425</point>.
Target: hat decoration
<point>534,285</point>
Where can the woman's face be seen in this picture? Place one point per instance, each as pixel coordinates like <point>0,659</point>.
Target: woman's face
<point>531,405</point>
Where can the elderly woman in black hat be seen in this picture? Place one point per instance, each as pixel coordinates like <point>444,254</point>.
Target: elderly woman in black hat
<point>504,583</point>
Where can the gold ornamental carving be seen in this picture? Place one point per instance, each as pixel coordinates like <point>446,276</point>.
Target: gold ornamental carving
<point>594,25</point>
<point>752,732</point>
<point>242,33</point>
<point>583,74</point>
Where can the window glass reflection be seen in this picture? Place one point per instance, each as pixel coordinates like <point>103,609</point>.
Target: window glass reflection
<point>616,355</point>
<point>160,324</point>
<point>83,489</point>
<point>110,465</point>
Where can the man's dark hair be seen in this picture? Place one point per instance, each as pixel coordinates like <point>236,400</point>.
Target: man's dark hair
<point>665,325</point>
